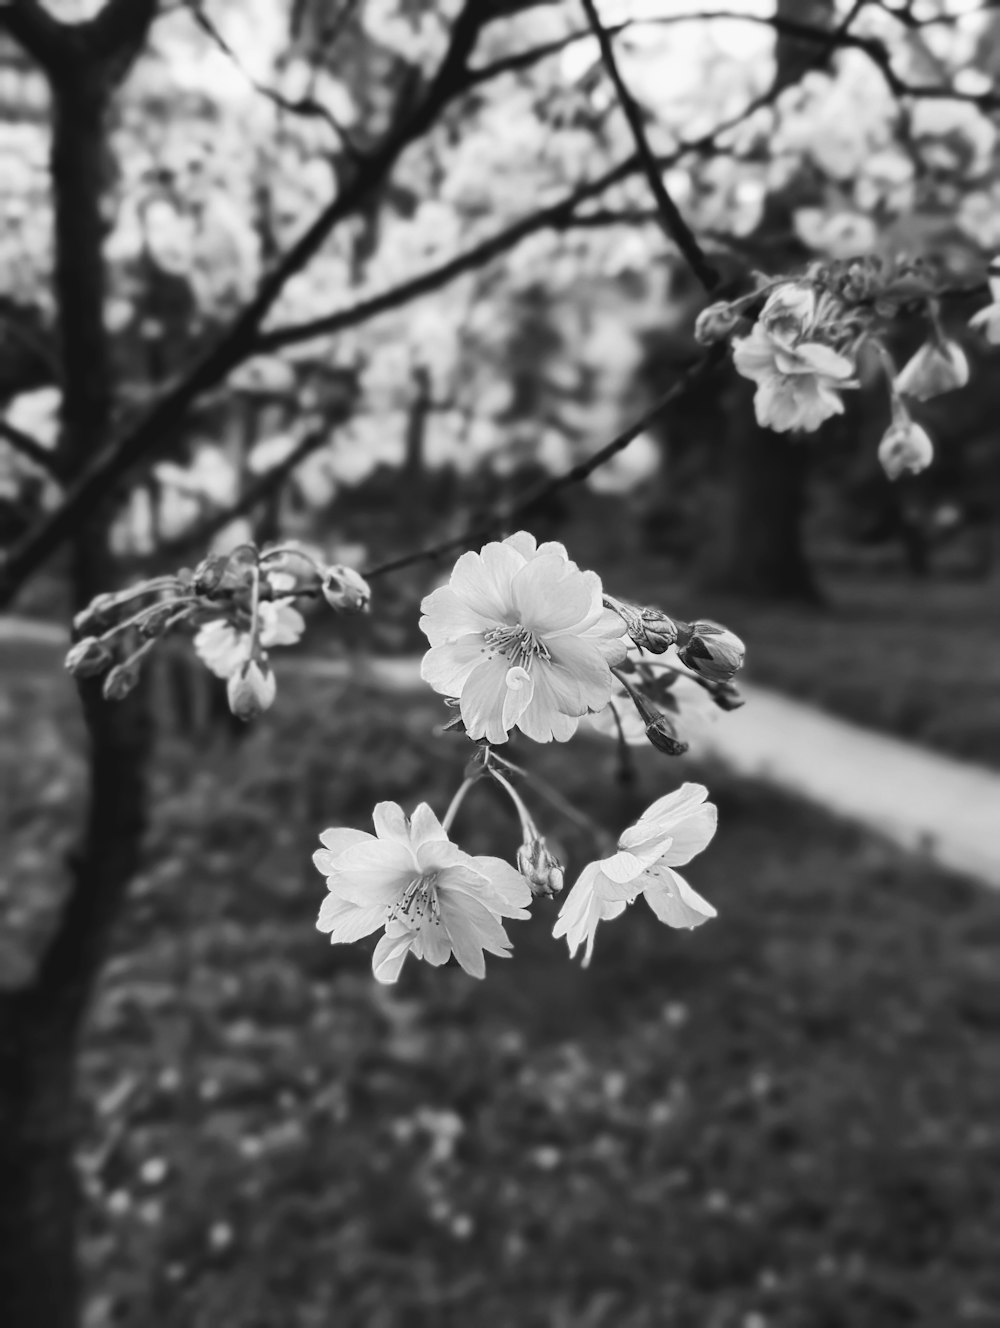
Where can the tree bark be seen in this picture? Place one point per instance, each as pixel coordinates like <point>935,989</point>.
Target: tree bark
<point>39,1027</point>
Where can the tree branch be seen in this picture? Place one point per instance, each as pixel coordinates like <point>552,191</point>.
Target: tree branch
<point>510,516</point>
<point>29,447</point>
<point>674,225</point>
<point>49,42</point>
<point>115,461</point>
<point>306,107</point>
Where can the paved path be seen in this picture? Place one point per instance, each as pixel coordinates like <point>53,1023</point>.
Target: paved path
<point>927,803</point>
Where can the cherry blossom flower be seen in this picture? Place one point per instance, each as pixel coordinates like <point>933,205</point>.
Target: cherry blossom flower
<point>432,898</point>
<point>520,635</point>
<point>798,385</point>
<point>668,834</point>
<point>938,366</point>
<point>251,689</point>
<point>224,648</point>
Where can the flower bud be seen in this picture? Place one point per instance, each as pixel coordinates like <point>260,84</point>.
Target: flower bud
<point>662,734</point>
<point>88,658</point>
<point>98,616</point>
<point>346,590</point>
<point>712,651</point>
<point>251,689</point>
<point>905,449</point>
<point>540,868</point>
<point>209,573</point>
<point>727,696</point>
<point>938,366</point>
<point>789,312</point>
<point>716,323</point>
<point>650,629</point>
<point>121,680</point>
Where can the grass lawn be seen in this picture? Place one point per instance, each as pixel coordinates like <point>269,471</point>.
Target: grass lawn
<point>787,1119</point>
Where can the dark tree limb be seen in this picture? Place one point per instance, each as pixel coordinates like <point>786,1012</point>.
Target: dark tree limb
<point>29,447</point>
<point>507,517</point>
<point>118,457</point>
<point>674,225</point>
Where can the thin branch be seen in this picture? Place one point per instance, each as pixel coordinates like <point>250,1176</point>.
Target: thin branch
<point>674,225</point>
<point>166,414</point>
<point>505,518</point>
<point>261,488</point>
<point>37,453</point>
<point>306,107</point>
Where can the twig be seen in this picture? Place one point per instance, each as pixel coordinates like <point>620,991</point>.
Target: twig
<point>674,225</point>
<point>29,447</point>
<point>509,516</point>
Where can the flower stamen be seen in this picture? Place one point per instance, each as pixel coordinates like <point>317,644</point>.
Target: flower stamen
<point>518,643</point>
<point>418,903</point>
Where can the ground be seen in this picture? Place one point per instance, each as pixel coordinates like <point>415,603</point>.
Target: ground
<point>789,1118</point>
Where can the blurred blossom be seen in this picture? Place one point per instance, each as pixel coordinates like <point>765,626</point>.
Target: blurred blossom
<point>223,648</point>
<point>905,449</point>
<point>668,834</point>
<point>797,386</point>
<point>938,366</point>
<point>431,898</point>
<point>251,689</point>
<point>521,636</point>
<point>988,319</point>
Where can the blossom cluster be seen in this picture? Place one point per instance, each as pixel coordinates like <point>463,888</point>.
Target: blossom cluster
<point>238,604</point>
<point>804,341</point>
<point>523,640</point>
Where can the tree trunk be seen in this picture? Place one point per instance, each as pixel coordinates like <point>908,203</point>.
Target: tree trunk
<point>39,1027</point>
<point>761,550</point>
<point>38,1199</point>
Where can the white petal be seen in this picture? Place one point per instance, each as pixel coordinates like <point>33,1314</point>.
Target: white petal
<point>339,839</point>
<point>483,696</point>
<point>446,617</point>
<point>673,900</point>
<point>388,956</point>
<point>447,667</point>
<point>391,823</point>
<point>520,690</point>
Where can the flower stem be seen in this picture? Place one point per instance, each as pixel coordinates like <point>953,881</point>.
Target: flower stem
<point>551,795</point>
<point>527,824</point>
<point>455,803</point>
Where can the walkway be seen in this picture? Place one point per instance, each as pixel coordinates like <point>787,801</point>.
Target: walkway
<point>925,802</point>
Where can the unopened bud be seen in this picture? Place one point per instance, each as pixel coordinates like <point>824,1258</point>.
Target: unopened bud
<point>121,680</point>
<point>346,590</point>
<point>662,734</point>
<point>99,614</point>
<point>726,696</point>
<point>712,651</point>
<point>251,689</point>
<point>209,573</point>
<point>716,323</point>
<point>938,366</point>
<point>905,449</point>
<point>659,727</point>
<point>789,311</point>
<point>648,628</point>
<point>88,658</point>
<point>540,868</point>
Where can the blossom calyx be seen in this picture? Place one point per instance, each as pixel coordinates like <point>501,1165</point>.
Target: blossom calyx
<point>99,615</point>
<point>648,628</point>
<point>540,868</point>
<point>88,658</point>
<point>711,651</point>
<point>251,689</point>
<point>659,727</point>
<point>718,322</point>
<point>345,590</point>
